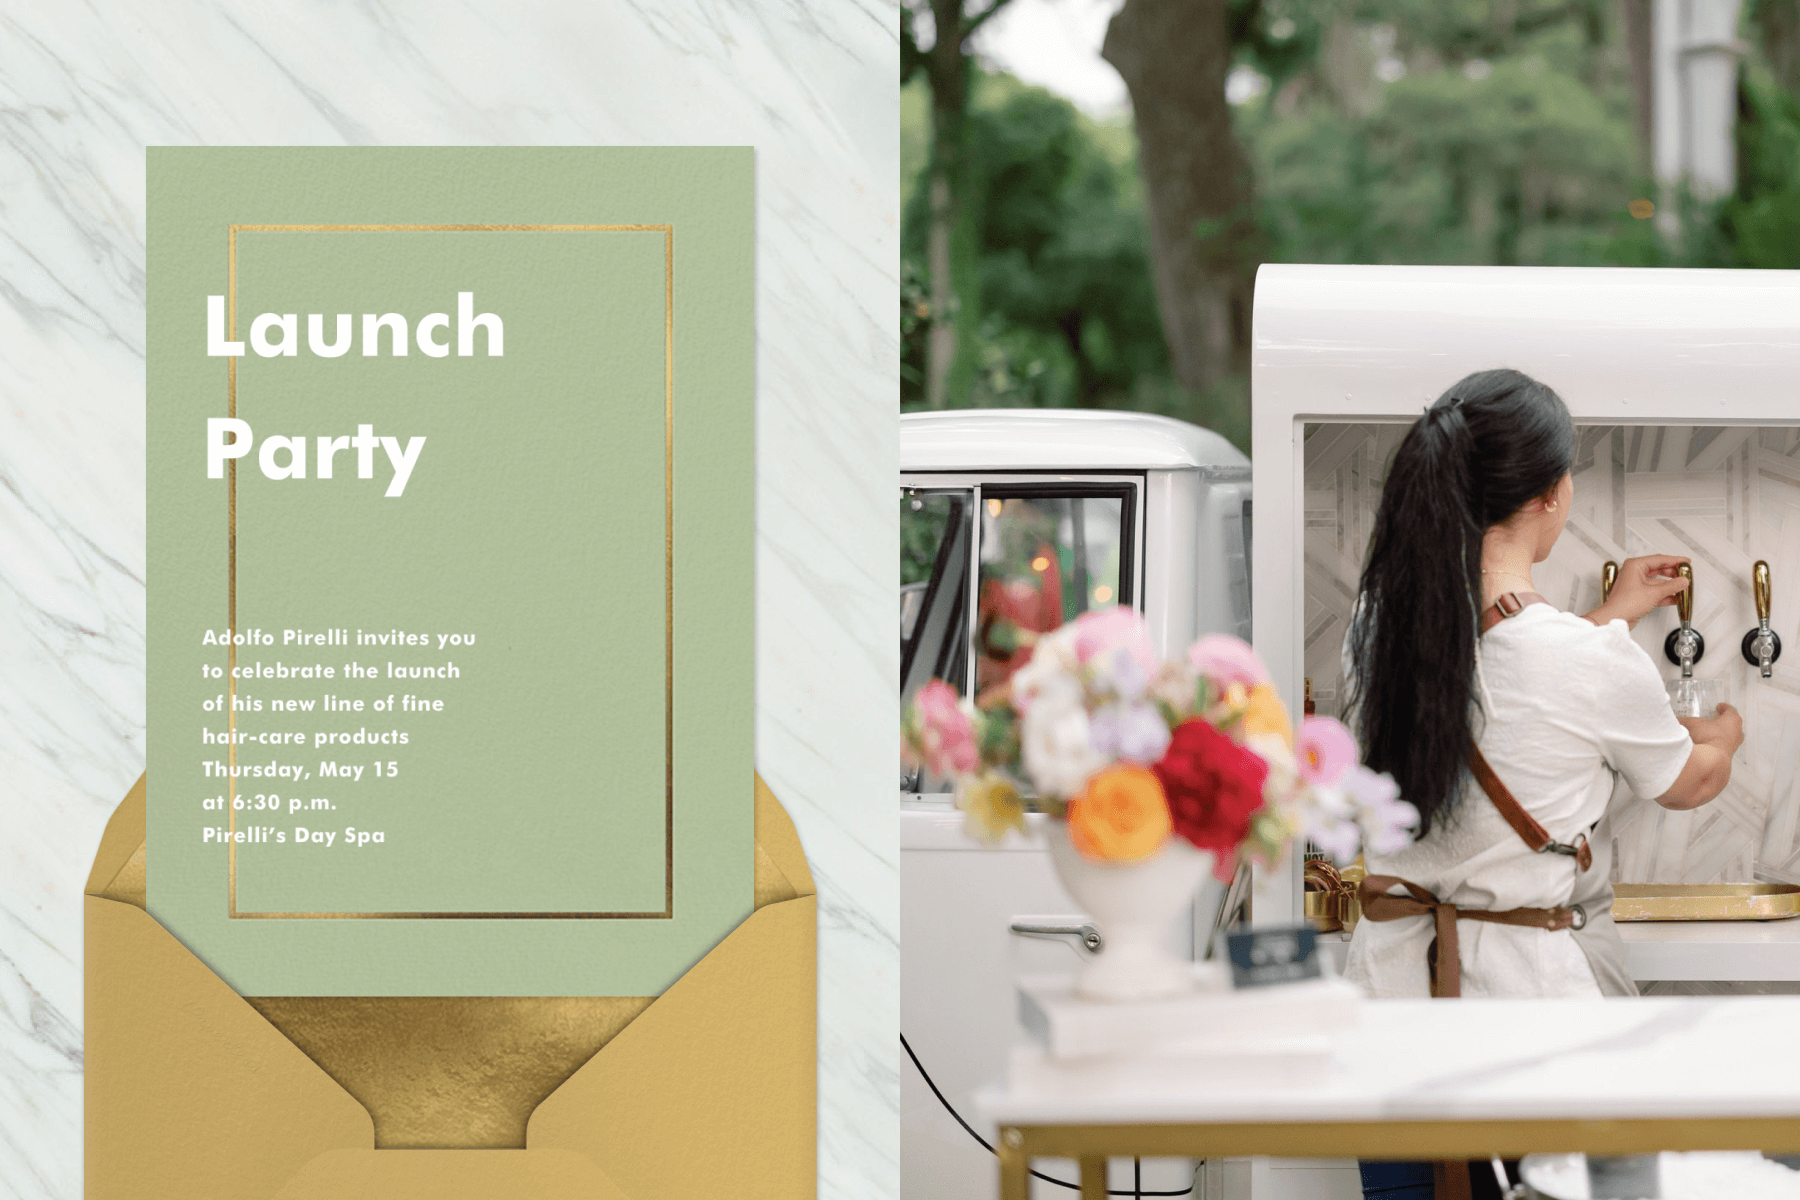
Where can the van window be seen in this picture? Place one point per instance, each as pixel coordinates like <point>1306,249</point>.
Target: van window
<point>1041,554</point>
<point>935,531</point>
<point>1047,556</point>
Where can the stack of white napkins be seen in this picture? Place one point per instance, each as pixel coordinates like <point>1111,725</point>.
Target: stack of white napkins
<point>1276,1036</point>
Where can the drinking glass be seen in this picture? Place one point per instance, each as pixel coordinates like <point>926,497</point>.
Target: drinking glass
<point>1696,697</point>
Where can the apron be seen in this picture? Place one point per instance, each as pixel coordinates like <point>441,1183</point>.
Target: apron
<point>1599,937</point>
<point>1588,914</point>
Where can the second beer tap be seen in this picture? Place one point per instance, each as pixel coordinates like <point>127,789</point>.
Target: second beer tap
<point>1762,645</point>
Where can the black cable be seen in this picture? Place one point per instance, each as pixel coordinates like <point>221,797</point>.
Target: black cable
<point>1137,1165</point>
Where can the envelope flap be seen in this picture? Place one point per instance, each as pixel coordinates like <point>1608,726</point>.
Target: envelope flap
<point>183,1076</point>
<point>775,836</point>
<point>123,838</point>
<point>712,1091</point>
<point>450,1175</point>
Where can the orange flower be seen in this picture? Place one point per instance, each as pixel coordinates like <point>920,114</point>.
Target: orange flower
<point>1122,815</point>
<point>1265,714</point>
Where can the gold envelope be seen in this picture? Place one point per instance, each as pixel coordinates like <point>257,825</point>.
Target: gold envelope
<point>194,1092</point>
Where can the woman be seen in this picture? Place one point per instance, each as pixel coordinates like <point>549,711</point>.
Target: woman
<point>1538,713</point>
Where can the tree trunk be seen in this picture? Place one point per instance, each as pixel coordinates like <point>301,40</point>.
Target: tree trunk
<point>952,248</point>
<point>1173,56</point>
<point>1778,23</point>
<point>1635,16</point>
<point>947,106</point>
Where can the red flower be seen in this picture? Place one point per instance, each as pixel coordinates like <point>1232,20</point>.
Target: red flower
<point>1214,786</point>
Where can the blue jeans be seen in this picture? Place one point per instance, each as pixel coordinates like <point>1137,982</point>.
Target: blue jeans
<point>1412,1180</point>
<point>1396,1180</point>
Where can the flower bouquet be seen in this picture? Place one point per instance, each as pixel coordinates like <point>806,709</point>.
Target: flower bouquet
<point>1157,773</point>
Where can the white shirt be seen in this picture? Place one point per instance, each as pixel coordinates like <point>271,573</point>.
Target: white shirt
<point>1567,704</point>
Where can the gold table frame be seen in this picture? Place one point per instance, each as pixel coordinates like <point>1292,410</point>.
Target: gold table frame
<point>1092,1145</point>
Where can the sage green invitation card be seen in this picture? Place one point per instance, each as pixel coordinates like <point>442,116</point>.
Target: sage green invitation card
<point>450,566</point>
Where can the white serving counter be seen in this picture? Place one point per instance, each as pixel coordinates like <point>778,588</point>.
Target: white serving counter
<point>1658,1059</point>
<point>1430,1079</point>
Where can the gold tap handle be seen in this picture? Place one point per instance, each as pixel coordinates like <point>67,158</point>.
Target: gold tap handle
<point>1759,580</point>
<point>1609,575</point>
<point>1684,600</point>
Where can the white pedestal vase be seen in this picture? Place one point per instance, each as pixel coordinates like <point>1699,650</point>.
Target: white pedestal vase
<point>1134,904</point>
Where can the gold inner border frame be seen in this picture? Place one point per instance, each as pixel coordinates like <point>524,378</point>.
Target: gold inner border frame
<point>668,909</point>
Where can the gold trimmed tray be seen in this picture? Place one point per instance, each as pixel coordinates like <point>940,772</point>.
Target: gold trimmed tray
<point>1705,901</point>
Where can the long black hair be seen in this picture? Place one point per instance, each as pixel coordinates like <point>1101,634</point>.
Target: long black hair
<point>1493,442</point>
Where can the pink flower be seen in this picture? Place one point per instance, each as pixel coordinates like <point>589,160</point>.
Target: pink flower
<point>941,731</point>
<point>1227,660</point>
<point>1101,634</point>
<point>1325,750</point>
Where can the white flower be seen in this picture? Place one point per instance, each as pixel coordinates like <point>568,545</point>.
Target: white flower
<point>1056,743</point>
<point>1055,735</point>
<point>1176,684</point>
<point>1329,820</point>
<point>1387,821</point>
<point>1117,673</point>
<point>1052,669</point>
<point>1132,731</point>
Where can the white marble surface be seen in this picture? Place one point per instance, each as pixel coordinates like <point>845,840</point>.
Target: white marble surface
<point>812,84</point>
<point>1489,1060</point>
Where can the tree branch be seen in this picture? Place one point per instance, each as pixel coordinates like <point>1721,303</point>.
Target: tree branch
<point>912,59</point>
<point>1544,18</point>
<point>979,19</point>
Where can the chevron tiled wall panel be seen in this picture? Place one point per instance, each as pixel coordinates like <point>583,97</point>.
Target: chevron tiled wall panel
<point>1724,496</point>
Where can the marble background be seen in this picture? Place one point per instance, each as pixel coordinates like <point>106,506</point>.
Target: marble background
<point>1724,497</point>
<point>812,84</point>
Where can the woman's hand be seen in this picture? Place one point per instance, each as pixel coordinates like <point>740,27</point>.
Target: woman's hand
<point>1708,768</point>
<point>1724,729</point>
<point>1643,584</point>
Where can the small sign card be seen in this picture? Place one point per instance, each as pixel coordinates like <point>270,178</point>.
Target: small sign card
<point>1263,957</point>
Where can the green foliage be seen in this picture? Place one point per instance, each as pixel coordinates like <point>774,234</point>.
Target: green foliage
<point>1760,223</point>
<point>1279,38</point>
<point>1458,31</point>
<point>915,324</point>
<point>1066,295</point>
<point>1391,131</point>
<point>924,520</point>
<point>1514,161</point>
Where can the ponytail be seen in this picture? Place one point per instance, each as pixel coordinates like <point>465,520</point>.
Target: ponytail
<point>1487,446</point>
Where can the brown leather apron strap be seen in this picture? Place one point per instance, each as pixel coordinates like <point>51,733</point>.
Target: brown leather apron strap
<point>1450,1180</point>
<point>1523,823</point>
<point>1511,604</point>
<point>1443,958</point>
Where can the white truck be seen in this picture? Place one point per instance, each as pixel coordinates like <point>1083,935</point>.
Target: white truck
<point>1012,522</point>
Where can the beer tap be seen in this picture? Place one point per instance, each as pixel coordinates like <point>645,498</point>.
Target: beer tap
<point>1684,646</point>
<point>1762,645</point>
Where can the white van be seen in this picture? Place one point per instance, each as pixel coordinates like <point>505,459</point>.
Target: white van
<point>1012,522</point>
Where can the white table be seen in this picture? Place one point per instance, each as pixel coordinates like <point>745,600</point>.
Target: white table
<point>1456,1079</point>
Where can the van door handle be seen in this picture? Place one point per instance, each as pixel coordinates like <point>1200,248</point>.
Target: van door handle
<point>1087,935</point>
